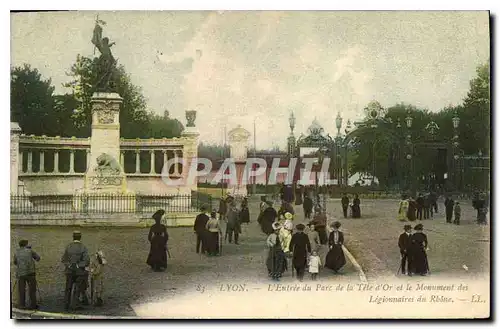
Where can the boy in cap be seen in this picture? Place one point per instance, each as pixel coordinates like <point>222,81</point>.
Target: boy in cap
<point>97,277</point>
<point>404,246</point>
<point>24,259</point>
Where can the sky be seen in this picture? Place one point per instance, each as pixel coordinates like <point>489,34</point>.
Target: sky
<point>237,67</point>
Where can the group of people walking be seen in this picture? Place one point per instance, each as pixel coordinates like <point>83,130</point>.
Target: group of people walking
<point>424,206</point>
<point>413,248</point>
<point>301,245</point>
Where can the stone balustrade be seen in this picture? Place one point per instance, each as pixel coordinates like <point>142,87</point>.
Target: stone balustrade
<point>49,149</point>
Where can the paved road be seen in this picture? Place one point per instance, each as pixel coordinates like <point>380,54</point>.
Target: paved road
<point>130,281</point>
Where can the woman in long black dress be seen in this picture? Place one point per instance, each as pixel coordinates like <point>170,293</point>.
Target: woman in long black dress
<point>276,259</point>
<point>418,254</point>
<point>335,258</point>
<point>300,248</point>
<point>158,238</point>
<point>356,209</point>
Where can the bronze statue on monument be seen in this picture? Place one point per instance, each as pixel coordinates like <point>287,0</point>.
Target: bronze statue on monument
<point>106,63</point>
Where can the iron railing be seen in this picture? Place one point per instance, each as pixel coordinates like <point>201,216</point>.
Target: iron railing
<point>107,203</point>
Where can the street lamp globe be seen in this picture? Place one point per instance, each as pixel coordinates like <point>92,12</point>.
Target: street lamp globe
<point>338,121</point>
<point>291,120</point>
<point>456,121</point>
<point>409,120</point>
<point>408,156</point>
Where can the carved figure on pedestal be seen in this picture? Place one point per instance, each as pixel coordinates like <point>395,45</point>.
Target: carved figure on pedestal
<point>105,65</point>
<point>107,165</point>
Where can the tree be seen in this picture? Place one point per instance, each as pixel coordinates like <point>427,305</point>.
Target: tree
<point>133,114</point>
<point>163,127</point>
<point>31,101</point>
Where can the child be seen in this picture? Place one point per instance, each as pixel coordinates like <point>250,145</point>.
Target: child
<point>96,277</point>
<point>314,264</point>
<point>457,212</point>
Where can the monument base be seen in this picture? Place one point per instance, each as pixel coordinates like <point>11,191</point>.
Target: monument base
<point>104,202</point>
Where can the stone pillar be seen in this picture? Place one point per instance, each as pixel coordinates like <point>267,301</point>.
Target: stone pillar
<point>165,159</point>
<point>71,161</point>
<point>20,161</point>
<point>190,147</point>
<point>87,158</point>
<point>152,166</point>
<point>176,165</point>
<point>56,161</point>
<point>137,161</point>
<point>105,136</point>
<point>42,161</point>
<point>238,144</point>
<point>30,162</point>
<point>15,131</point>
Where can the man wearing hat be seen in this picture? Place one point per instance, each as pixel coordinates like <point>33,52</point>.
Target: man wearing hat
<point>76,261</point>
<point>319,222</point>
<point>233,222</point>
<point>300,247</point>
<point>24,259</point>
<point>404,247</point>
<point>199,229</point>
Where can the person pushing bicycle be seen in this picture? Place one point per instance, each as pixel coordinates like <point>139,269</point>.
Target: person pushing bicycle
<point>76,261</point>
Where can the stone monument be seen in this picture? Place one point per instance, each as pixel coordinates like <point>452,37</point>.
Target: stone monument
<point>105,175</point>
<point>19,199</point>
<point>238,143</point>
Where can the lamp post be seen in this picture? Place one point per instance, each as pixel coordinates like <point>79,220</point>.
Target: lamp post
<point>347,130</point>
<point>456,122</point>
<point>409,155</point>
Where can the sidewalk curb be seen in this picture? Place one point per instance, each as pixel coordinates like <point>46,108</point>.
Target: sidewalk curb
<point>35,313</point>
<point>354,262</point>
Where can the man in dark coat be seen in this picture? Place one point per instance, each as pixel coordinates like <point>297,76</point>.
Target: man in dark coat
<point>300,247</point>
<point>24,259</point>
<point>448,205</point>
<point>199,229</point>
<point>233,222</point>
<point>267,218</point>
<point>76,260</point>
<point>345,204</point>
<point>404,247</point>
<point>428,213</point>
<point>433,198</point>
<point>420,206</point>
<point>222,208</point>
<point>308,206</point>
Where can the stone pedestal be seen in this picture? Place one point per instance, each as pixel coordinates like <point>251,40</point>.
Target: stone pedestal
<point>238,143</point>
<point>105,184</point>
<point>15,131</point>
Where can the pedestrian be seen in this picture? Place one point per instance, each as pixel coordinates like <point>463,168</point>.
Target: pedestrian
<point>319,222</point>
<point>222,208</point>
<point>263,203</point>
<point>314,264</point>
<point>313,237</point>
<point>404,247</point>
<point>412,207</point>
<point>285,235</point>
<point>403,209</point>
<point>76,261</point>
<point>233,225</point>
<point>245,212</point>
<point>24,259</point>
<point>418,252</point>
<point>199,229</point>
<point>276,259</point>
<point>335,259</point>
<point>433,198</point>
<point>158,238</point>
<point>300,248</point>
<point>308,206</point>
<point>268,218</point>
<point>448,205</point>
<point>356,207</point>
<point>97,263</point>
<point>420,206</point>
<point>214,232</point>
<point>428,211</point>
<point>345,204</point>
<point>458,212</point>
